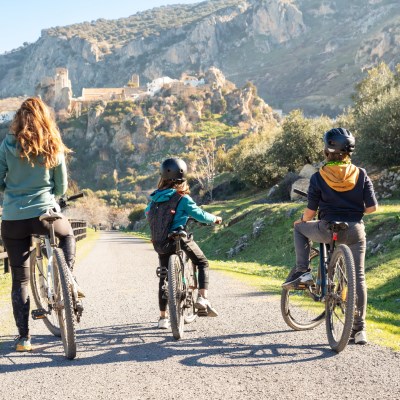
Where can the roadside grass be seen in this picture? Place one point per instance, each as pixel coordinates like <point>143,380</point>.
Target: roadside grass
<point>267,259</point>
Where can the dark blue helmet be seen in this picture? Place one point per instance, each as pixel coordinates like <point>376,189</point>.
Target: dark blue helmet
<point>174,169</point>
<point>339,140</point>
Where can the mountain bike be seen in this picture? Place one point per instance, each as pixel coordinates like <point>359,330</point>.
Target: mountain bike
<point>54,288</point>
<point>331,296</point>
<point>182,286</point>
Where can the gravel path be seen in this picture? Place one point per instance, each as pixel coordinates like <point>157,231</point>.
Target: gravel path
<point>246,353</point>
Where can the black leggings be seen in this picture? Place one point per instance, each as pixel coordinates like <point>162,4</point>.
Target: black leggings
<point>197,257</point>
<point>16,237</point>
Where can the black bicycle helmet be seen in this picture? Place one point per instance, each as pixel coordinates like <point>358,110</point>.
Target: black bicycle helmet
<point>174,169</point>
<point>339,140</point>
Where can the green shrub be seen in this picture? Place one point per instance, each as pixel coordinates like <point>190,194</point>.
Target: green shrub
<point>377,117</point>
<point>251,162</point>
<point>137,213</point>
<point>300,141</point>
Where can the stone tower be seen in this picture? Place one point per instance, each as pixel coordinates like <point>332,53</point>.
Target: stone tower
<point>61,81</point>
<point>134,81</point>
<point>62,90</point>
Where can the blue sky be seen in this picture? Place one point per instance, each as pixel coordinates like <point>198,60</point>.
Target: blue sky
<point>22,20</point>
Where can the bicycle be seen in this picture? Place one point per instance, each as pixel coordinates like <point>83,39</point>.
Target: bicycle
<point>181,286</point>
<point>331,296</point>
<point>54,288</point>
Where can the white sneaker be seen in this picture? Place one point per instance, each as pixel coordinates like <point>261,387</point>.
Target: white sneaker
<point>81,293</point>
<point>163,323</point>
<point>201,303</point>
<point>204,304</point>
<point>360,337</point>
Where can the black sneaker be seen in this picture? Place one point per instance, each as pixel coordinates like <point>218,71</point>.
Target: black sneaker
<point>297,277</point>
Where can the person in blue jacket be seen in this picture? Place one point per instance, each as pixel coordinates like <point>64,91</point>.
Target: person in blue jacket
<point>32,173</point>
<point>173,179</point>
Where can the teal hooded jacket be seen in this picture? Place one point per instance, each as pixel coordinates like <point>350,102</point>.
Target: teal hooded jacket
<point>28,190</point>
<point>186,208</point>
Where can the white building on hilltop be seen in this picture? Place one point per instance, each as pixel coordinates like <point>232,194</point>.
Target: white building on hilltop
<point>6,116</point>
<point>156,85</point>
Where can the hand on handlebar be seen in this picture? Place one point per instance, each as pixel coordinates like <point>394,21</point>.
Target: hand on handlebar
<point>63,200</point>
<point>218,221</point>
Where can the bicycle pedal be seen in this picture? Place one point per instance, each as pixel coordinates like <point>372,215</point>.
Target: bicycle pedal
<point>39,313</point>
<point>162,272</point>
<point>79,307</point>
<point>202,313</point>
<point>301,286</point>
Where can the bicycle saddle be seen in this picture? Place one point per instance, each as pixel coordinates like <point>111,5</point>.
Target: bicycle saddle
<point>181,233</point>
<point>50,216</point>
<point>336,226</point>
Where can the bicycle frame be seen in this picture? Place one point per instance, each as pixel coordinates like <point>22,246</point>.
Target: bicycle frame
<point>179,253</point>
<point>50,243</point>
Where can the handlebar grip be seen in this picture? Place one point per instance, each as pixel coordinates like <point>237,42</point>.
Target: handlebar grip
<point>75,196</point>
<point>300,192</point>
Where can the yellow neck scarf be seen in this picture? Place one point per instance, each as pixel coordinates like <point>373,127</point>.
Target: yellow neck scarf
<point>341,178</point>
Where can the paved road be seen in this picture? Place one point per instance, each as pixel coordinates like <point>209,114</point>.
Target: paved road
<point>246,353</point>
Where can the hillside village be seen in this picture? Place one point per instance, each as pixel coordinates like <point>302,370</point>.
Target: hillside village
<point>56,91</point>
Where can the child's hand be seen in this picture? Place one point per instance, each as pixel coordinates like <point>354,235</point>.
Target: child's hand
<point>218,221</point>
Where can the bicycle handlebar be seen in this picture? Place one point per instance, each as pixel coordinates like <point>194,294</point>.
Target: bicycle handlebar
<point>300,192</point>
<point>63,201</point>
<point>190,219</point>
<point>74,197</point>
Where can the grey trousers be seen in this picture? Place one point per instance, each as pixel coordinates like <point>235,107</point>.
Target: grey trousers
<point>317,231</point>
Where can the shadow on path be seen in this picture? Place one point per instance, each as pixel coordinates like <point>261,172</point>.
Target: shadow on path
<point>144,343</point>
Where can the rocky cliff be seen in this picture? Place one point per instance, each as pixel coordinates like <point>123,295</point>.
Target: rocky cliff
<point>299,53</point>
<point>126,140</point>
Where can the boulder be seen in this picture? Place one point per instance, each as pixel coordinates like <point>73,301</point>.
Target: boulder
<point>307,171</point>
<point>301,184</point>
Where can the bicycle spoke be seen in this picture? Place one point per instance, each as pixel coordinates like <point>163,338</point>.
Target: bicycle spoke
<point>303,309</point>
<point>338,317</point>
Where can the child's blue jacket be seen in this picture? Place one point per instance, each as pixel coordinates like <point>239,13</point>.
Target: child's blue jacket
<point>186,208</point>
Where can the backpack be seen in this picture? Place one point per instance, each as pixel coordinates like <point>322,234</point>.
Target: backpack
<point>160,217</point>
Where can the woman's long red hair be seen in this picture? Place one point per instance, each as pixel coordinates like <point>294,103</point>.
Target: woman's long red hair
<point>37,133</point>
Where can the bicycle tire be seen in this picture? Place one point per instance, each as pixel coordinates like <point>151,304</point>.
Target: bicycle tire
<point>175,294</point>
<point>341,298</point>
<point>65,310</point>
<point>299,309</point>
<point>39,284</point>
<point>190,314</point>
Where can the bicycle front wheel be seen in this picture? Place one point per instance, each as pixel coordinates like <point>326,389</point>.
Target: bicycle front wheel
<point>41,282</point>
<point>176,294</point>
<point>303,309</point>
<point>64,304</point>
<point>341,298</point>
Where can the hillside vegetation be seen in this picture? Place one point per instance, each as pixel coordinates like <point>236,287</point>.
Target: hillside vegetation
<point>142,24</point>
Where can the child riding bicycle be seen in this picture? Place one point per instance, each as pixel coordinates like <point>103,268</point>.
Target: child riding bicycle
<point>173,192</point>
<point>340,191</point>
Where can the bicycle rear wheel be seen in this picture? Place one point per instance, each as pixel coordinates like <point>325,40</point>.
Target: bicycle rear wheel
<point>39,287</point>
<point>65,309</point>
<point>302,309</point>
<point>341,297</point>
<point>176,295</point>
<point>189,313</point>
